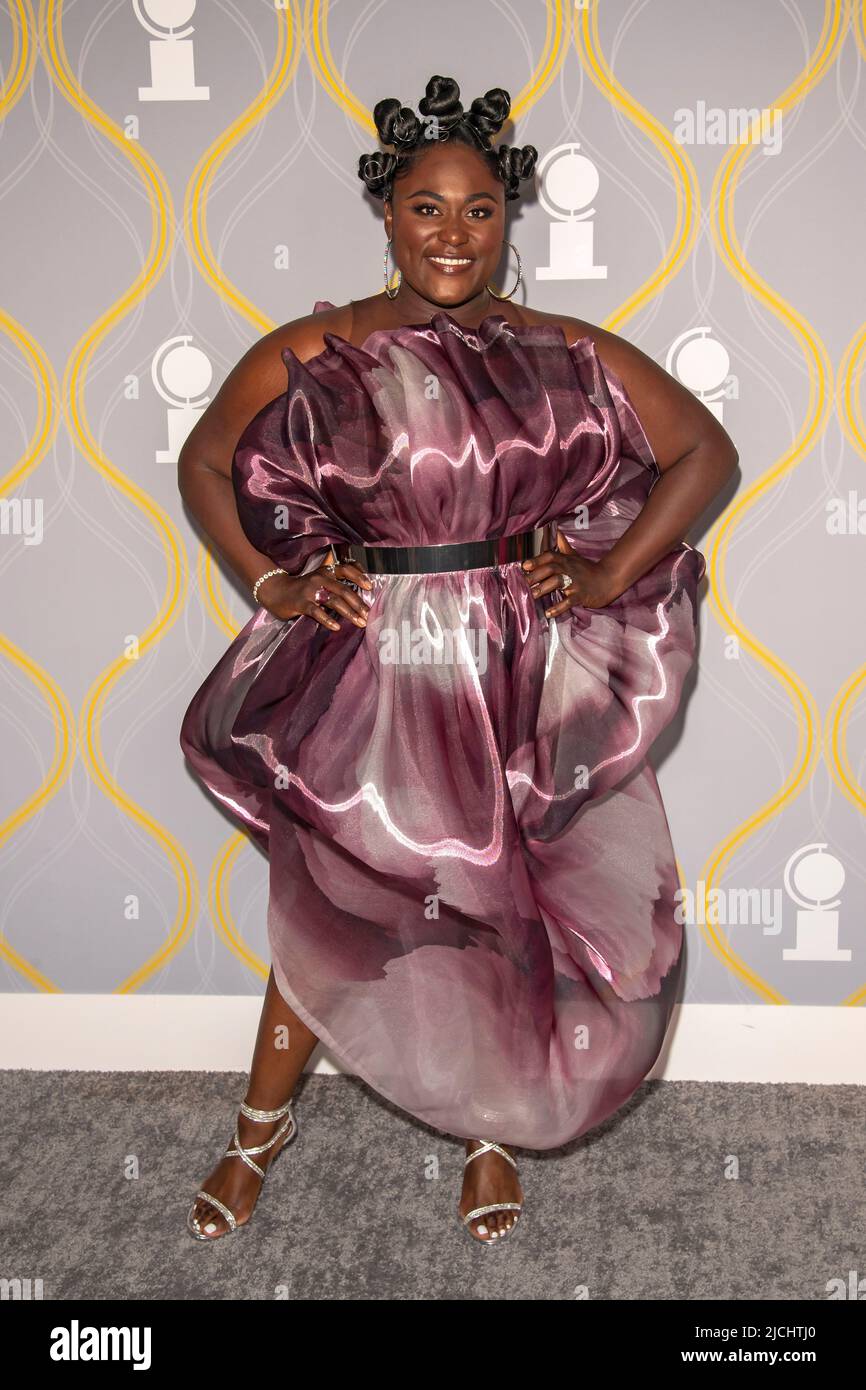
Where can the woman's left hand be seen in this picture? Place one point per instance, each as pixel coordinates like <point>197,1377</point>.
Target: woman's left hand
<point>593,583</point>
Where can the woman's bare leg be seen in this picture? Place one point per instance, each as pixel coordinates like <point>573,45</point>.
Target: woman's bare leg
<point>490,1179</point>
<point>283,1046</point>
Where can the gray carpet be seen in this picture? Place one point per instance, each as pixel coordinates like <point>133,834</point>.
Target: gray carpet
<point>640,1208</point>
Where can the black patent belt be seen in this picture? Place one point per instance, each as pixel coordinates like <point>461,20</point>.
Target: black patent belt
<point>438,559</point>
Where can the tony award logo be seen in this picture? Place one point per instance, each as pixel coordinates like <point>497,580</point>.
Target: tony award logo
<point>181,374</point>
<point>568,182</point>
<point>817,879</point>
<point>703,365</point>
<point>172,60</point>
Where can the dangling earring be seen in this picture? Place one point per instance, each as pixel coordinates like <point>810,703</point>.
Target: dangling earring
<point>399,273</point>
<point>519,273</point>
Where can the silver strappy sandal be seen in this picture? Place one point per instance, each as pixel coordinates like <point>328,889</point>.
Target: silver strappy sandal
<point>286,1132</point>
<point>486,1146</point>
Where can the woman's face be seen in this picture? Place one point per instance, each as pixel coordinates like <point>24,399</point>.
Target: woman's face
<point>447,207</point>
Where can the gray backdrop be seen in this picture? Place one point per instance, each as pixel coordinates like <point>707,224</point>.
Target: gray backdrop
<point>201,186</point>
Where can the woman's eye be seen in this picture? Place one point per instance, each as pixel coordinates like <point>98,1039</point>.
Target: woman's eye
<point>431,207</point>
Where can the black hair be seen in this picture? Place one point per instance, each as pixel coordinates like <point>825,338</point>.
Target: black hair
<point>444,119</point>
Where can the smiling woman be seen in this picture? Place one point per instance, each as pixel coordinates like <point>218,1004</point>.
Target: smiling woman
<point>465,528</point>
<point>472,237</point>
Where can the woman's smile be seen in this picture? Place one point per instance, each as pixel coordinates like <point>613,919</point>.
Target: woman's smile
<point>451,265</point>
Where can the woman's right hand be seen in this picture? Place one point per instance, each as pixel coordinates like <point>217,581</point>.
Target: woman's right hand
<point>291,596</point>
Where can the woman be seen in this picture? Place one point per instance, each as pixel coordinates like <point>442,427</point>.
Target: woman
<point>462,523</point>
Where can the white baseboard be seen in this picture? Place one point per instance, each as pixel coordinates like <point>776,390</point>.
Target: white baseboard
<point>179,1032</point>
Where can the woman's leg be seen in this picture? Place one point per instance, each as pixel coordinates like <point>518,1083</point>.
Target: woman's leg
<point>283,1046</point>
<point>488,1179</point>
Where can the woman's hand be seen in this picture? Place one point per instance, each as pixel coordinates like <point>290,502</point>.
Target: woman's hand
<point>309,595</point>
<point>594,585</point>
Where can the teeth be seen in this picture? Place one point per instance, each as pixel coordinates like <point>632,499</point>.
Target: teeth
<point>451,260</point>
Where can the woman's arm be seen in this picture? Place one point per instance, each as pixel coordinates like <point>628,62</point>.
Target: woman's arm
<point>693,450</point>
<point>696,457</point>
<point>204,468</point>
<point>204,476</point>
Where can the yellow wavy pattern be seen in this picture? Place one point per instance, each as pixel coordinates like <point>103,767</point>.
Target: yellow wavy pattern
<point>842,705</point>
<point>22,59</point>
<point>210,586</point>
<point>20,67</point>
<point>557,39</point>
<point>219,896</point>
<point>684,176</point>
<point>73,392</point>
<point>198,190</point>
<point>283,69</point>
<point>850,412</point>
<point>685,182</point>
<point>63,720</point>
<point>835,22</point>
<point>553,54</point>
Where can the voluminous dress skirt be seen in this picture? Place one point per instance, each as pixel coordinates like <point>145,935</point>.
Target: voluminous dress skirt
<point>472,886</point>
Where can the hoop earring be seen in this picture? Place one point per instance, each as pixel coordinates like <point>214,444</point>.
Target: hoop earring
<point>519,274</point>
<point>399,273</point>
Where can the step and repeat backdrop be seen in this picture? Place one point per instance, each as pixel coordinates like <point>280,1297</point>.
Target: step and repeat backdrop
<point>178,179</point>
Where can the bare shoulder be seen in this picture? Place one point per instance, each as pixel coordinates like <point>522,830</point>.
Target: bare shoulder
<point>305,336</point>
<point>255,380</point>
<point>262,367</point>
<point>260,375</point>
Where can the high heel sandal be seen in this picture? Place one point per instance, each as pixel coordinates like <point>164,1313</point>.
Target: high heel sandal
<point>486,1146</point>
<point>286,1132</point>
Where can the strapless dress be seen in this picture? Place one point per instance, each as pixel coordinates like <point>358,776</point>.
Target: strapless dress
<point>471,875</point>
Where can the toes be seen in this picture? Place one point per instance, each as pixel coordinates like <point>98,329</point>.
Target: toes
<point>213,1223</point>
<point>208,1220</point>
<point>499,1223</point>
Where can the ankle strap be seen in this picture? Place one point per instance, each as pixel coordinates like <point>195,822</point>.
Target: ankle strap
<point>486,1146</point>
<point>265,1115</point>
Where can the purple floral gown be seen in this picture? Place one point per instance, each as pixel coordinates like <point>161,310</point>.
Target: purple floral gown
<point>472,881</point>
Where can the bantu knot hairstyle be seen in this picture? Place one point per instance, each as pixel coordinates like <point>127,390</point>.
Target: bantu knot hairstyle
<point>443,118</point>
